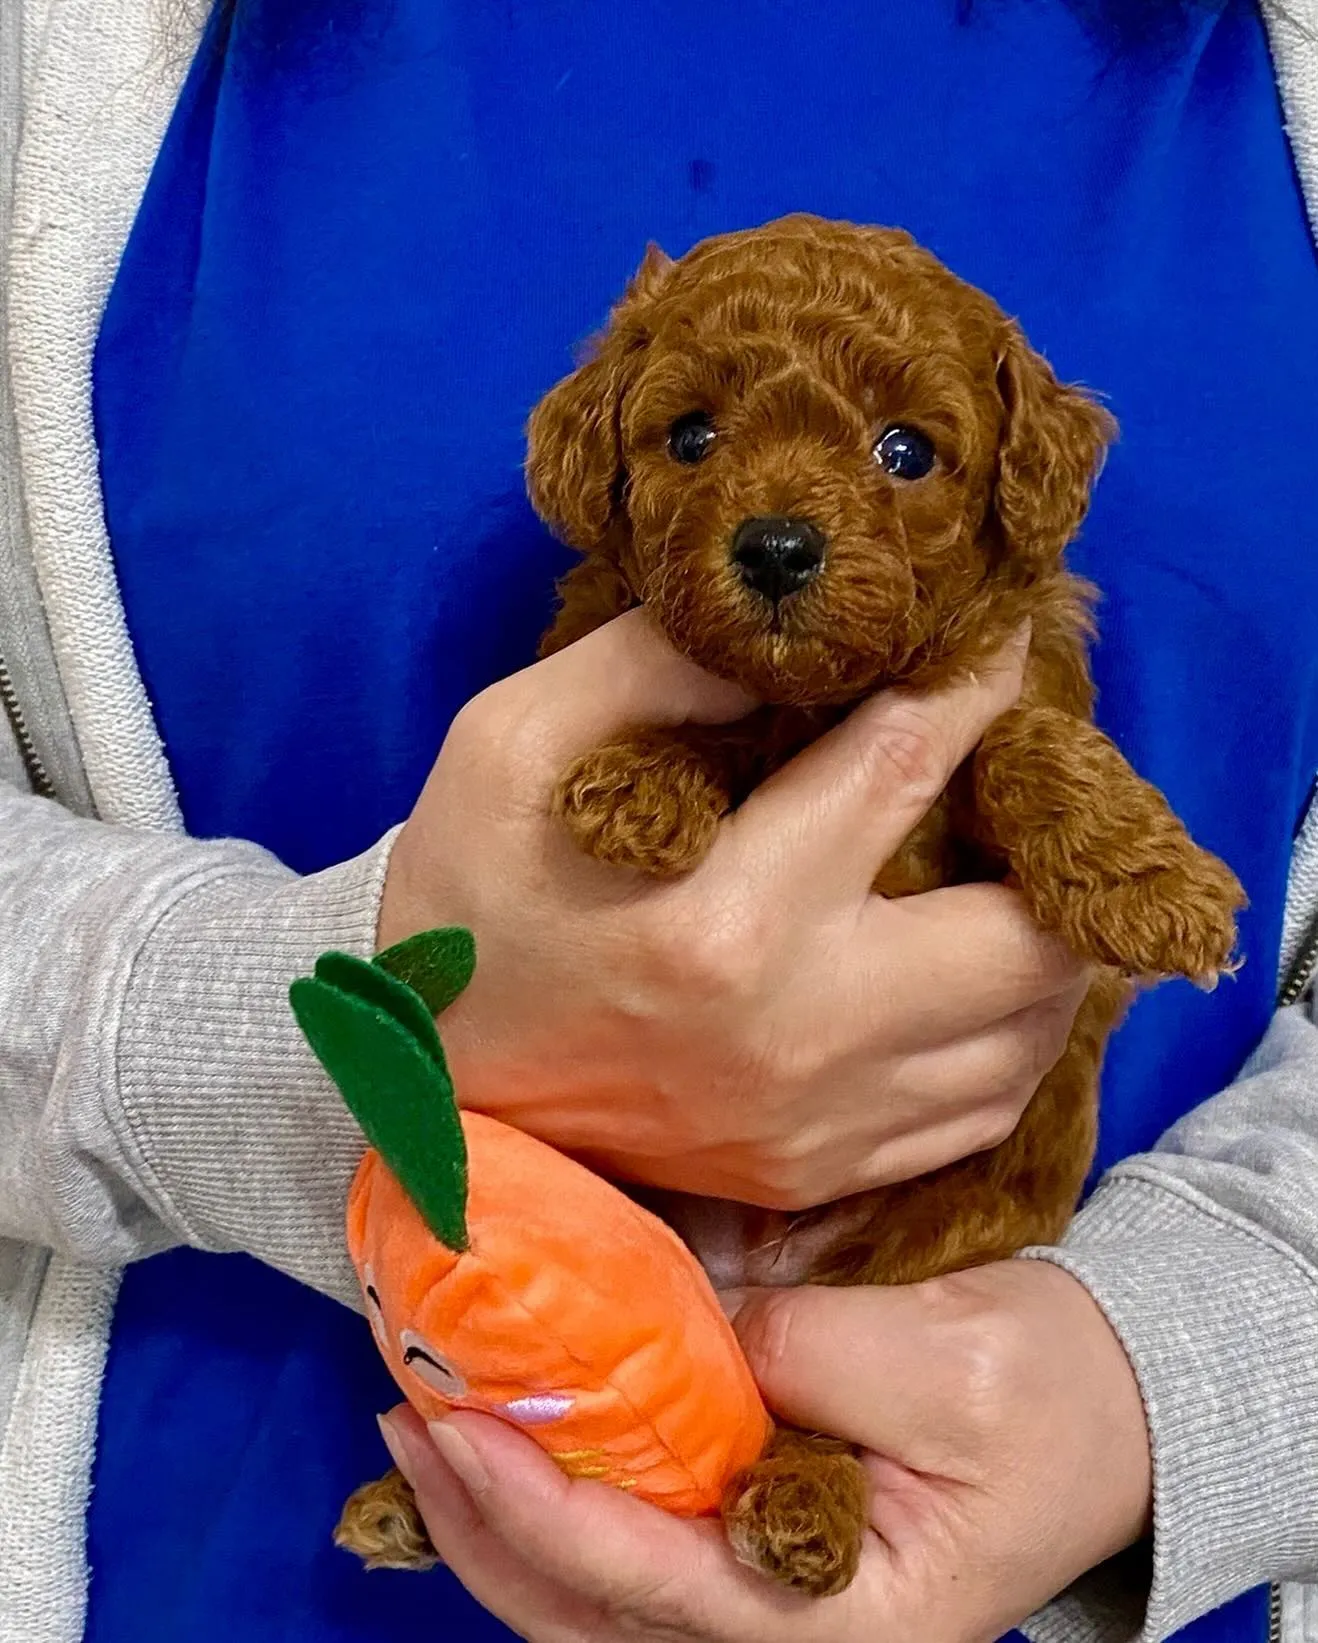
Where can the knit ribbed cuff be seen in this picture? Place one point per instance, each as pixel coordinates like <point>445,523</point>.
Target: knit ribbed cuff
<point>242,1138</point>
<point>1220,1322</point>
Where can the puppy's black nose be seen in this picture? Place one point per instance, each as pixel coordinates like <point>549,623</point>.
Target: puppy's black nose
<point>777,556</point>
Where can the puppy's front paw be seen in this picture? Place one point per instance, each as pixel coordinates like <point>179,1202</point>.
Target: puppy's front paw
<point>1178,919</point>
<point>650,803</point>
<point>800,1513</point>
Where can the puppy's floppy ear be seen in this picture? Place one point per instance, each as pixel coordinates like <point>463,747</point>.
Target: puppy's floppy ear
<point>574,471</point>
<point>574,466</point>
<point>1053,442</point>
<point>649,278</point>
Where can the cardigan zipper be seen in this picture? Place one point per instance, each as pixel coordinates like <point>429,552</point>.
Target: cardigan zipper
<point>37,774</point>
<point>1301,973</point>
<point>1303,968</point>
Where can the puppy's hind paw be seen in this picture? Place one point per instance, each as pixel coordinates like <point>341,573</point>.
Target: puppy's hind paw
<point>382,1524</point>
<point>799,1515</point>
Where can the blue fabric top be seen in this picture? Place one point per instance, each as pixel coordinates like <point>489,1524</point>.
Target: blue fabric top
<point>374,233</point>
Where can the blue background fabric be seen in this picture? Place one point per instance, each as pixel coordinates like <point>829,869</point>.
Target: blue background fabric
<point>373,236</point>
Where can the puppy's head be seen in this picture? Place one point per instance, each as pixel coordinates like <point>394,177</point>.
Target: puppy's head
<point>821,461</point>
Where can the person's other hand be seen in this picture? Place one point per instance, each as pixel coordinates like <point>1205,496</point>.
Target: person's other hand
<point>1009,1454</point>
<point>764,1029</point>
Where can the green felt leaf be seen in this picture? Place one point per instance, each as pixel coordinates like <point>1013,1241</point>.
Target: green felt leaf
<point>399,1093</point>
<point>438,964</point>
<point>376,986</point>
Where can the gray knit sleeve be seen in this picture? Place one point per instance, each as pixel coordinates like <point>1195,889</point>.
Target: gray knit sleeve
<point>1204,1257</point>
<point>154,1088</point>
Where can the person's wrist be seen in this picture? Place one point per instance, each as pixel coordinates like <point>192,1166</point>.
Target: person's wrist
<point>413,896</point>
<point>399,913</point>
<point>1105,1399</point>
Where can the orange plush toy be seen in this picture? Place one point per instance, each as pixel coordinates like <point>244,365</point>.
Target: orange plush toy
<point>501,1276</point>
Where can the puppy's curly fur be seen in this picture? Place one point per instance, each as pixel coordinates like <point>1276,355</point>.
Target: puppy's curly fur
<point>802,342</point>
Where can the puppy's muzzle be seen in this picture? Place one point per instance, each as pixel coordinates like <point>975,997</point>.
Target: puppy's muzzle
<point>776,557</point>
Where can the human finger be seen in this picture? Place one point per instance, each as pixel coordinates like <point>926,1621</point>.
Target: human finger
<point>623,676</point>
<point>538,1608</point>
<point>885,1368</point>
<point>953,962</point>
<point>940,1105</point>
<point>839,810</point>
<point>961,1099</point>
<point>996,1070</point>
<point>655,1574</point>
<point>702,1594</point>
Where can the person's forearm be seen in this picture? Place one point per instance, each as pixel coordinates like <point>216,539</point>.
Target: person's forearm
<point>1204,1256</point>
<point>154,1088</point>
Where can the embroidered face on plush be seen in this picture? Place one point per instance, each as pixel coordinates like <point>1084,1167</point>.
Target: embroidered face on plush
<point>821,460</point>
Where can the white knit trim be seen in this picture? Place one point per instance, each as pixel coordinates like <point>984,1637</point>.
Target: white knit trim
<point>1299,1614</point>
<point>46,1458</point>
<point>1293,33</point>
<point>1301,891</point>
<point>97,94</point>
<point>99,84</point>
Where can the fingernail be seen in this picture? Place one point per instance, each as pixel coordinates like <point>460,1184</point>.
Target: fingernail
<point>394,1444</point>
<point>460,1455</point>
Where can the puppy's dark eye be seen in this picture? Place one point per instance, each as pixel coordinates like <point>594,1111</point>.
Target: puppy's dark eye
<point>904,452</point>
<point>691,438</point>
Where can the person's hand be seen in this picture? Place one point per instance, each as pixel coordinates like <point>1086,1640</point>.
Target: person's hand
<point>1009,1455</point>
<point>764,1029</point>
